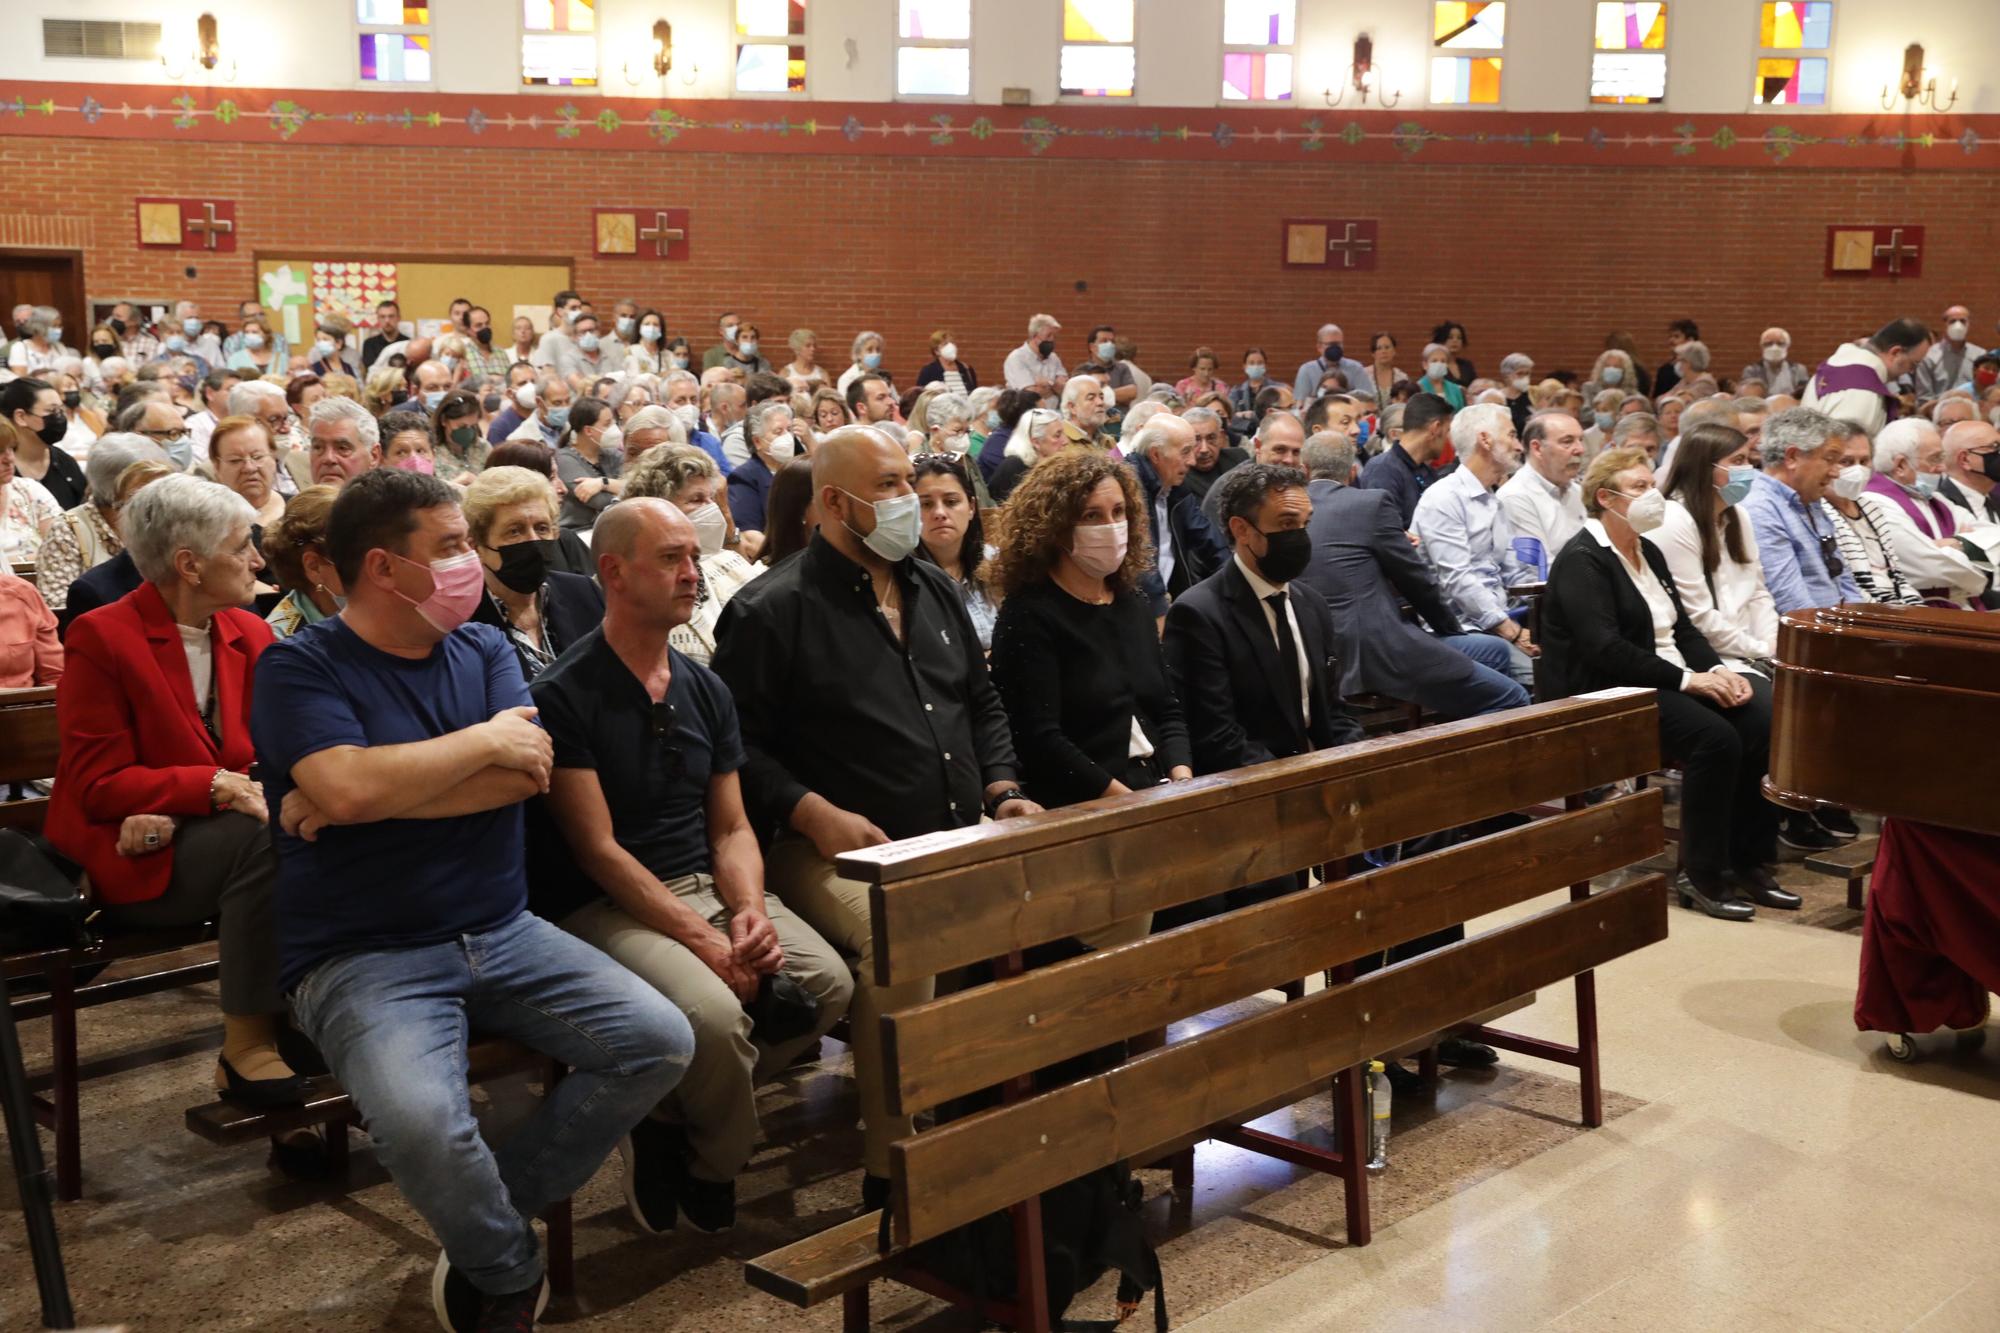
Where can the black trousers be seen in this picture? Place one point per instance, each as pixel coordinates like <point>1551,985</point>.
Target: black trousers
<point>1723,753</point>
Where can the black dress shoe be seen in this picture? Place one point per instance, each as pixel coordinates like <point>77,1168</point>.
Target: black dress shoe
<point>1713,899</point>
<point>1465,1053</point>
<point>1837,823</point>
<point>1802,833</point>
<point>1760,886</point>
<point>258,1093</point>
<point>1402,1082</point>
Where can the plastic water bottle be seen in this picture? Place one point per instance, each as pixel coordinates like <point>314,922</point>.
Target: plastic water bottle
<point>1378,1124</point>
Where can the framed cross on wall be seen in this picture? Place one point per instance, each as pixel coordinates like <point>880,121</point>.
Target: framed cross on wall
<point>640,233</point>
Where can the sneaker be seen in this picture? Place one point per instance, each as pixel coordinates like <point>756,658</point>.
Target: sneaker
<point>707,1206</point>
<point>1805,835</point>
<point>653,1172</point>
<point>1837,823</point>
<point>463,1308</point>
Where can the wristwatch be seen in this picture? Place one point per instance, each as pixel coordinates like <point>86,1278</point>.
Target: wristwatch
<point>993,803</point>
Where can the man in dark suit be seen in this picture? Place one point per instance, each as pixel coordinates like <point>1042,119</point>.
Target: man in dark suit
<point>101,585</point>
<point>1185,548</point>
<point>1363,564</point>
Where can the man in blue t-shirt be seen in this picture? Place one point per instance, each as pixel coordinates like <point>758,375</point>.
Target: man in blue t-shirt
<point>646,795</point>
<point>396,743</point>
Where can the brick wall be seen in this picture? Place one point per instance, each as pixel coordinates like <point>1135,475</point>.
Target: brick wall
<point>1543,259</point>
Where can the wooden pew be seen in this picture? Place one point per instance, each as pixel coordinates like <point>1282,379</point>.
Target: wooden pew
<point>1851,863</point>
<point>946,901</point>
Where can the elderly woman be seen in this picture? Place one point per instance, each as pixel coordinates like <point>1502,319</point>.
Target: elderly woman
<point>572,551</point>
<point>85,422</point>
<point>406,442</point>
<point>27,510</point>
<point>87,536</point>
<point>37,344</point>
<point>295,549</point>
<point>805,374</point>
<point>768,429</point>
<point>867,355</point>
<point>1611,617</point>
<point>30,653</point>
<point>687,478</point>
<point>240,452</point>
<point>1614,369</point>
<point>1076,653</point>
<point>953,539</point>
<point>1863,545</point>
<point>1038,434</point>
<point>946,367</point>
<point>152,794</point>
<point>1437,376</point>
<point>510,517</point>
<point>458,448</point>
<point>1603,420</point>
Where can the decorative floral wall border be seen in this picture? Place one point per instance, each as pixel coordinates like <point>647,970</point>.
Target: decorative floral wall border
<point>228,115</point>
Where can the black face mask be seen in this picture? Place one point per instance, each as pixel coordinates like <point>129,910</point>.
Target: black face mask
<point>485,337</point>
<point>1286,554</point>
<point>103,350</point>
<point>118,327</point>
<point>1334,352</point>
<point>54,426</point>
<point>1990,465</point>
<point>73,399</point>
<point>524,566</point>
<point>1045,347</point>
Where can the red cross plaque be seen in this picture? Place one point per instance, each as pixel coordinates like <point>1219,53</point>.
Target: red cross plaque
<point>1856,250</point>
<point>1348,245</point>
<point>641,233</point>
<point>186,224</point>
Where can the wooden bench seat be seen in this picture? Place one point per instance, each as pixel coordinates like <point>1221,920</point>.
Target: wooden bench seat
<point>988,894</point>
<point>1852,862</point>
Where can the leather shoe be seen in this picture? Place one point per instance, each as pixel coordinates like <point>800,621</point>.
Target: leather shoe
<point>1760,886</point>
<point>1402,1082</point>
<point>1713,899</point>
<point>1837,823</point>
<point>257,1093</point>
<point>1465,1053</point>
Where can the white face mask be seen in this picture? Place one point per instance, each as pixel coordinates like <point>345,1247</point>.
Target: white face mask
<point>1436,369</point>
<point>689,416</point>
<point>524,397</point>
<point>1852,480</point>
<point>948,352</point>
<point>784,448</point>
<point>1520,382</point>
<point>709,526</point>
<point>1775,352</point>
<point>1957,330</point>
<point>1648,511</point>
<point>898,528</point>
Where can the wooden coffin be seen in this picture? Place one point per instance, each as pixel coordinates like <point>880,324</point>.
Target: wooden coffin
<point>1894,710</point>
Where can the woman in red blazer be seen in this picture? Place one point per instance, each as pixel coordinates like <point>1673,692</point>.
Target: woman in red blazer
<point>152,794</point>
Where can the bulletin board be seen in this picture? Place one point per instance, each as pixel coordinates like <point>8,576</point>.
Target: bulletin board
<point>297,288</point>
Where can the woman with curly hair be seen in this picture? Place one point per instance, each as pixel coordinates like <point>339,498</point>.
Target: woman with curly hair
<point>1076,653</point>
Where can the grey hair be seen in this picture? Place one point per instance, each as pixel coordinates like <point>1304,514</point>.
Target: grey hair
<point>980,401</point>
<point>1491,418</point>
<point>243,399</point>
<point>1140,413</point>
<point>1639,423</point>
<point>1695,354</point>
<point>1748,406</point>
<point>1021,444</point>
<point>1042,324</point>
<point>622,389</point>
<point>1900,439</point>
<point>180,513</point>
<point>546,380</point>
<point>1514,361</point>
<point>757,426</point>
<point>1805,429</point>
<point>946,406</point>
<point>1607,400</point>
<point>34,326</point>
<point>1708,411</point>
<point>1392,418</point>
<point>1074,388</point>
<point>1197,414</point>
<point>861,340</point>
<point>334,410</point>
<point>655,417</point>
<point>669,380</point>
<point>1330,455</point>
<point>134,412</point>
<point>109,458</point>
<point>113,365</point>
<point>1156,432</point>
<point>1438,348</point>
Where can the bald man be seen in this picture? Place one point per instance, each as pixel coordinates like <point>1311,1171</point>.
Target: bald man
<point>867,716</point>
<point>673,882</point>
<point>1949,362</point>
<point>1971,490</point>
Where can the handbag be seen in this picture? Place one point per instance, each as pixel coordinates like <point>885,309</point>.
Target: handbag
<point>41,895</point>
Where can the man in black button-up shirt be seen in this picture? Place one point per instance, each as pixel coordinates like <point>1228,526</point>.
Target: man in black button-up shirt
<point>867,716</point>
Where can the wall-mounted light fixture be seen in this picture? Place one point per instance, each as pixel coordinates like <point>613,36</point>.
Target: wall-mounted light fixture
<point>1914,87</point>
<point>1362,79</point>
<point>663,57</point>
<point>207,52</point>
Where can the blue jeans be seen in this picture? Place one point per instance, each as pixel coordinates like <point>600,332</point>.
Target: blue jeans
<point>1485,686</point>
<point>394,1024</point>
<point>1496,654</point>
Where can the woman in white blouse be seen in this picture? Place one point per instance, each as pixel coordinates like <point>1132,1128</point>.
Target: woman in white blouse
<point>688,479</point>
<point>27,510</point>
<point>1712,549</point>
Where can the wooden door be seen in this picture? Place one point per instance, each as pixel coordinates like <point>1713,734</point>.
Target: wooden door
<point>45,277</point>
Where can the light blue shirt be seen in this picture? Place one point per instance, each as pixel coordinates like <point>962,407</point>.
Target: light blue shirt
<point>1789,545</point>
<point>1470,546</point>
<point>1306,387</point>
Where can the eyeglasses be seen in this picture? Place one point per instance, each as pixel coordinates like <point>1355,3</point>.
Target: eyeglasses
<point>660,726</point>
<point>162,436</point>
<point>1829,551</point>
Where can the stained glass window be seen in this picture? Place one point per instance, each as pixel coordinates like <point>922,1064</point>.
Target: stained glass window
<point>1629,65</point>
<point>770,46</point>
<point>1257,57</point>
<point>932,58</point>
<point>1469,26</point>
<point>1098,58</point>
<point>394,41</point>
<point>559,43</point>
<point>1785,75</point>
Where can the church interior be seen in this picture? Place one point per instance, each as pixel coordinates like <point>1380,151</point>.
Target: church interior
<point>1250,666</point>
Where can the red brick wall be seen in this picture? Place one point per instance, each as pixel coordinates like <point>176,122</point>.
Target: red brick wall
<point>1541,259</point>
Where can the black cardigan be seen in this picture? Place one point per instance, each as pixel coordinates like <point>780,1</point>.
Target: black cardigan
<point>1597,631</point>
<point>934,374</point>
<point>1071,676</point>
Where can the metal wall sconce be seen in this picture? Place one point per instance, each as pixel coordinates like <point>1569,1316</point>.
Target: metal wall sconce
<point>207,52</point>
<point>663,57</point>
<point>1914,87</point>
<point>1361,78</point>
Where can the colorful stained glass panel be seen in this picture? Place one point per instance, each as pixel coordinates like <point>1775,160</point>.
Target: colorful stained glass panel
<point>1628,78</point>
<point>770,18</point>
<point>393,12</point>
<point>1798,25</point>
<point>1465,80</point>
<point>559,60</point>
<point>770,67</point>
<point>1097,71</point>
<point>1626,26</point>
<point>1259,23</point>
<point>934,20</point>
<point>1469,24</point>
<point>934,71</point>
<point>559,16</point>
<point>394,57</point>
<point>1096,21</point>
<point>1791,82</point>
<point>1259,76</point>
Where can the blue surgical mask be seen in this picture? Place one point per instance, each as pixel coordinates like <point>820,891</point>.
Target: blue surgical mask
<point>1928,483</point>
<point>176,343</point>
<point>1738,484</point>
<point>747,348</point>
<point>191,327</point>
<point>559,417</point>
<point>253,340</point>
<point>1253,373</point>
<point>625,323</point>
<point>873,360</point>
<point>899,525</point>
<point>432,397</point>
<point>180,451</point>
<point>1106,351</point>
<point>1612,374</point>
<point>650,333</point>
<point>587,341</point>
<point>680,363</point>
<point>1604,420</point>
<point>323,349</point>
<point>993,421</point>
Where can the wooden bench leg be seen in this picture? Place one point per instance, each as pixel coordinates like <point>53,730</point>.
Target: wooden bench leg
<point>854,1310</point>
<point>1183,1175</point>
<point>335,1134</point>
<point>1031,1281</point>
<point>1854,900</point>
<point>1427,1063</point>
<point>562,1249</point>
<point>63,1089</point>
<point>1350,1139</point>
<point>1586,1050</point>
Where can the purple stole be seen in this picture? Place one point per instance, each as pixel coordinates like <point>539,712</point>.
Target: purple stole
<point>1940,524</point>
<point>1832,379</point>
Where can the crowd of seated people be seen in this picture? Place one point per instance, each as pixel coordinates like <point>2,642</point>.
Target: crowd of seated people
<point>567,669</point>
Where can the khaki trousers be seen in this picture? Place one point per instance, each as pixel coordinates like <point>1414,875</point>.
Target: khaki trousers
<point>716,1100</point>
<point>837,907</point>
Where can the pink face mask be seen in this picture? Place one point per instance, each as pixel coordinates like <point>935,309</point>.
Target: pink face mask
<point>1099,548</point>
<point>456,584</point>
<point>417,463</point>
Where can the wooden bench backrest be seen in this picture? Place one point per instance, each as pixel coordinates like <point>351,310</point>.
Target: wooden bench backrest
<point>950,900</point>
<point>29,737</point>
